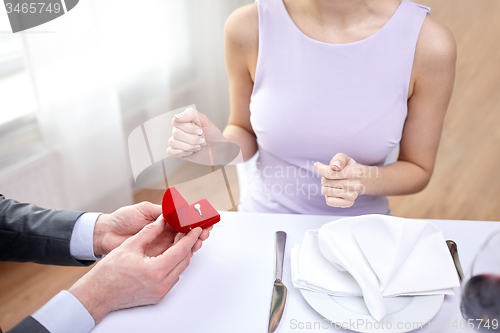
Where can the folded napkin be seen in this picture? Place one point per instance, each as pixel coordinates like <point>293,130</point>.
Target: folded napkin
<point>375,256</point>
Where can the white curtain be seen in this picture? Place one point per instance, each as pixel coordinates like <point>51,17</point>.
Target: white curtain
<point>107,66</point>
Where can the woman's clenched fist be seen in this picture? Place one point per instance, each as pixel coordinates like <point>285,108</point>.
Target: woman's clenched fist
<point>190,133</point>
<point>341,180</point>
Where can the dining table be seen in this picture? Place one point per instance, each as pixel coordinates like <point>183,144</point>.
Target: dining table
<point>228,284</point>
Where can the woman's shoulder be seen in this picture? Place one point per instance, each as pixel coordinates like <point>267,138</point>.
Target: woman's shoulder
<point>436,45</point>
<point>242,26</point>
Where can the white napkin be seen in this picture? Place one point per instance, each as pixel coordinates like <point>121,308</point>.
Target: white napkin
<point>375,256</point>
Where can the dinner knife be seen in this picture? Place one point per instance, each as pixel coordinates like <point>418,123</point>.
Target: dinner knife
<point>279,289</point>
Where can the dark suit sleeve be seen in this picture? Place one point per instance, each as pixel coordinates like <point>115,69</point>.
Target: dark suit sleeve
<point>28,325</point>
<point>31,233</point>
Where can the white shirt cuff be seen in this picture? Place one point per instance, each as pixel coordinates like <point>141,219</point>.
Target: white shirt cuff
<point>64,313</point>
<point>81,245</point>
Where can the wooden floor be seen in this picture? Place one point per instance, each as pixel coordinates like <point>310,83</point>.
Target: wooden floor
<point>466,181</point>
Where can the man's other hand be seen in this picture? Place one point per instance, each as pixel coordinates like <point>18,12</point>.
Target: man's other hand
<point>140,271</point>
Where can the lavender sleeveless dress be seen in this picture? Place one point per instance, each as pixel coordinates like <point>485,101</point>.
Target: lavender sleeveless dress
<point>312,100</point>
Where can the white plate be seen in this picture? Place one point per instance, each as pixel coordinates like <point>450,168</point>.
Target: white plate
<point>404,313</point>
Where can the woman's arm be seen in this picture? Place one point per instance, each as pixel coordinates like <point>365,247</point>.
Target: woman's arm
<point>434,76</point>
<point>192,129</point>
<point>241,38</point>
<point>430,93</point>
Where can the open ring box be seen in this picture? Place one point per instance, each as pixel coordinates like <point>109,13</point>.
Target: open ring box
<point>183,217</point>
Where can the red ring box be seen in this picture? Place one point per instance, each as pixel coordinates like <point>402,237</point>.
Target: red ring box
<point>182,217</point>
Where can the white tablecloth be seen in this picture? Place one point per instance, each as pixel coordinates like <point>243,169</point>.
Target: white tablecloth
<point>228,285</point>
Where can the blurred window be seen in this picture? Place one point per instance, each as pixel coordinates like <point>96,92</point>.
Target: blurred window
<point>19,133</point>
<point>11,54</point>
<point>17,99</point>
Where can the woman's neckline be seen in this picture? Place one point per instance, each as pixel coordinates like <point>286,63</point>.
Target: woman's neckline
<point>387,23</point>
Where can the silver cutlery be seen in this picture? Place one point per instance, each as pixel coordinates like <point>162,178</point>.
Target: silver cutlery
<point>452,246</point>
<point>279,289</point>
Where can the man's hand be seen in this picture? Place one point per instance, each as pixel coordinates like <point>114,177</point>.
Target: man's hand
<point>341,180</point>
<point>111,230</point>
<point>129,276</point>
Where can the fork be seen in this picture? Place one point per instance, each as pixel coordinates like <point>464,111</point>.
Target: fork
<point>452,246</point>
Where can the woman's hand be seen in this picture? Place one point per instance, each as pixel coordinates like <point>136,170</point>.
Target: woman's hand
<point>191,131</point>
<point>341,180</point>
